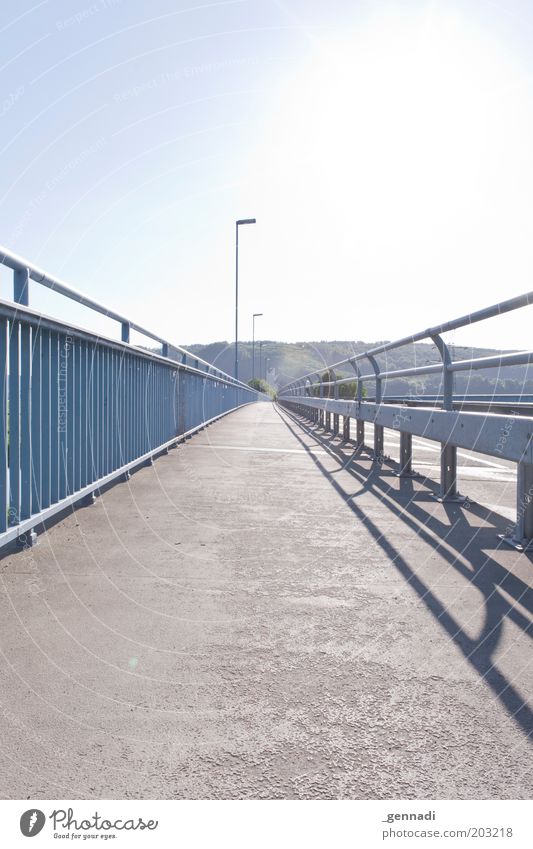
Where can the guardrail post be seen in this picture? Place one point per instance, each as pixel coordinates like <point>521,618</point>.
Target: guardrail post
<point>346,429</point>
<point>321,417</point>
<point>406,455</point>
<point>125,331</point>
<point>448,453</point>
<point>327,413</point>
<point>378,443</point>
<point>360,424</point>
<point>522,536</point>
<point>336,415</point>
<point>448,475</point>
<point>21,282</point>
<point>378,429</point>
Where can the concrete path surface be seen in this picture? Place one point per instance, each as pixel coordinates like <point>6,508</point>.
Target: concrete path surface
<point>263,615</point>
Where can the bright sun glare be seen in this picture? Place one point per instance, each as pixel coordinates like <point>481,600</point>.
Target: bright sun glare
<point>405,146</point>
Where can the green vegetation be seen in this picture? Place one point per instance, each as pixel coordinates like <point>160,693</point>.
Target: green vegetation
<point>262,386</point>
<point>346,390</point>
<point>280,362</point>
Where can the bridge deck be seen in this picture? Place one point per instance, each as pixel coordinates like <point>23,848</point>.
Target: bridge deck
<point>247,618</point>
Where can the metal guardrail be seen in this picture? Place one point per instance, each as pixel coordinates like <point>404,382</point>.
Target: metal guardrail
<point>454,421</point>
<point>511,405</point>
<point>79,410</point>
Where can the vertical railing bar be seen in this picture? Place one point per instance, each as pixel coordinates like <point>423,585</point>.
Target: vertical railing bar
<point>56,440</point>
<point>137,406</point>
<point>133,420</point>
<point>128,420</point>
<point>105,422</point>
<point>134,406</point>
<point>101,416</point>
<point>91,406</point>
<point>153,406</point>
<point>161,417</point>
<point>14,423</point>
<point>107,406</point>
<point>4,472</point>
<point>112,410</point>
<point>159,404</point>
<point>63,417</point>
<point>68,355</point>
<point>25,422</point>
<point>84,430</point>
<point>36,423</point>
<point>109,411</point>
<point>124,428</point>
<point>76,363</point>
<point>45,419</point>
<point>95,412</point>
<point>116,391</point>
<point>146,407</point>
<point>120,410</point>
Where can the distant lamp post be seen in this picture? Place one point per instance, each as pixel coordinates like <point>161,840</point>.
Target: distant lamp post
<point>255,315</point>
<point>266,368</point>
<point>237,225</point>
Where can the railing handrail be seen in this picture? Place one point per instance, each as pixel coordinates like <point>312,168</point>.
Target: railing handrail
<point>433,334</point>
<point>11,310</point>
<point>20,264</point>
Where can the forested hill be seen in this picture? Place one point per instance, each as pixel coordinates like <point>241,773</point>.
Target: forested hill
<point>287,361</point>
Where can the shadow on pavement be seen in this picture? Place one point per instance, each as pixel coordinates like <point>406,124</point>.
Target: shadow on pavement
<point>470,559</point>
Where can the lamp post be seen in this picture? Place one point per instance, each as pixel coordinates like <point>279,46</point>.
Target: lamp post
<point>255,315</point>
<point>237,225</point>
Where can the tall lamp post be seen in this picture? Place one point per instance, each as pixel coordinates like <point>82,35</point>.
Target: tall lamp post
<point>255,315</point>
<point>237,225</point>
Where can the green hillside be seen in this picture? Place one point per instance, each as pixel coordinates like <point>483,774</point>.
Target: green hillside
<point>287,361</point>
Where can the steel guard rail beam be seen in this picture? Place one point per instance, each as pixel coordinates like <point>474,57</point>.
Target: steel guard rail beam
<point>79,410</point>
<point>507,436</point>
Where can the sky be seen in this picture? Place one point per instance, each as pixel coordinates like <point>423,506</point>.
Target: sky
<point>385,149</point>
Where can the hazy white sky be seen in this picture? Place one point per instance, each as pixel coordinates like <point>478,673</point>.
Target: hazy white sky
<point>384,147</point>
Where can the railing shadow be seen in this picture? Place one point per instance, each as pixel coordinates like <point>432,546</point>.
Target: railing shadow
<point>470,560</point>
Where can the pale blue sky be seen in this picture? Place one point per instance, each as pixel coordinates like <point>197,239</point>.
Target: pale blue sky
<point>385,149</point>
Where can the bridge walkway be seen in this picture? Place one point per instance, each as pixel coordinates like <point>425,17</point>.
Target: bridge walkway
<point>262,614</point>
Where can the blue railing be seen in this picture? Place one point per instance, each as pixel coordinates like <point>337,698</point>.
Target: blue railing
<point>79,410</point>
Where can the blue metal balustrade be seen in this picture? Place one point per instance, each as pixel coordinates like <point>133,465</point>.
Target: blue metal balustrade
<point>79,410</point>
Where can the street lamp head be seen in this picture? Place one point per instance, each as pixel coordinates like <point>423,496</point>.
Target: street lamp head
<point>257,314</point>
<point>246,221</point>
